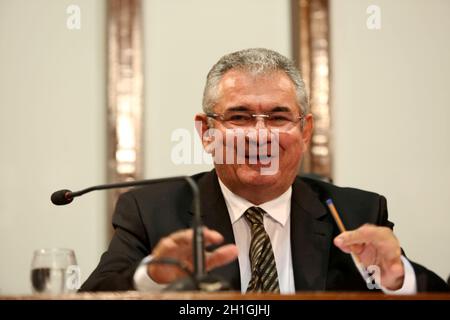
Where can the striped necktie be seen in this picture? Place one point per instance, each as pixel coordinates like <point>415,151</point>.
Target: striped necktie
<point>262,261</point>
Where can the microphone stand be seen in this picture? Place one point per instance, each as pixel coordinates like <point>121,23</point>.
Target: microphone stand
<point>200,280</point>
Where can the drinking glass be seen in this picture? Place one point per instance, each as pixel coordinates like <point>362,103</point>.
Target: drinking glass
<point>54,271</point>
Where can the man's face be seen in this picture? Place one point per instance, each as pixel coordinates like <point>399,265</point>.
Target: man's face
<point>261,94</point>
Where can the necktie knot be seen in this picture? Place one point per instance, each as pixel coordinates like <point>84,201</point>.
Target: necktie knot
<point>254,216</point>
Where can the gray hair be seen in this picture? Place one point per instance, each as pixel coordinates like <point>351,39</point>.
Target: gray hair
<point>258,61</point>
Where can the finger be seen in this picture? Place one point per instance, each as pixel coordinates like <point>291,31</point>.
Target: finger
<point>178,244</point>
<point>365,234</point>
<point>221,256</point>
<point>212,237</point>
<point>340,244</point>
<point>175,245</point>
<point>356,248</point>
<point>182,237</point>
<point>166,247</point>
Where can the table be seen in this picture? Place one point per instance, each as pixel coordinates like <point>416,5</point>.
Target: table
<point>133,295</point>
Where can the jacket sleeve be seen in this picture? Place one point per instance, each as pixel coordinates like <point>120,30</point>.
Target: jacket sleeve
<point>426,279</point>
<point>127,248</point>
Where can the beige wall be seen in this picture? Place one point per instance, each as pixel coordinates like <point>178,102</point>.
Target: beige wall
<point>391,116</point>
<point>52,133</point>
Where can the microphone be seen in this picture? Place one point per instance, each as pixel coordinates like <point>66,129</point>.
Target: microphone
<point>202,281</point>
<point>62,197</point>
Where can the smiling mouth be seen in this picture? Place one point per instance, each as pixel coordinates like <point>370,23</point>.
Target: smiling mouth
<point>260,155</point>
<point>258,158</point>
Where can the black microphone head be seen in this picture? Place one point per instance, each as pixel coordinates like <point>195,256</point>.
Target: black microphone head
<point>62,197</point>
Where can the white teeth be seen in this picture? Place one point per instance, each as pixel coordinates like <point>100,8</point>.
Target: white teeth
<point>258,158</point>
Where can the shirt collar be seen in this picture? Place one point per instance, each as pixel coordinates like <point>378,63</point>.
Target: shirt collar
<point>278,209</point>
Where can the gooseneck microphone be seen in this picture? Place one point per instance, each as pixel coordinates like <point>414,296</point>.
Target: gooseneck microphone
<point>64,196</point>
<point>202,280</point>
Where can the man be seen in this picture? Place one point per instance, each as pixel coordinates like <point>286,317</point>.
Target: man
<point>277,225</point>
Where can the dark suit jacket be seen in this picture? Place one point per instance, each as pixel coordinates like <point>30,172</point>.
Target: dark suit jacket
<point>143,216</point>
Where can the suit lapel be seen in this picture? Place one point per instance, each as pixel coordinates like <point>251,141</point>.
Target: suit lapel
<point>310,238</point>
<point>215,216</point>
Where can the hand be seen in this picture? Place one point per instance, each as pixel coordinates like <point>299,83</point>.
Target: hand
<point>374,245</point>
<point>178,245</point>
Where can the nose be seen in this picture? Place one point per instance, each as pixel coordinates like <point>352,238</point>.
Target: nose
<point>260,122</point>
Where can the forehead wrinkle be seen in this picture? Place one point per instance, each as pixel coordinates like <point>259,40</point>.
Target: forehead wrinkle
<point>243,90</point>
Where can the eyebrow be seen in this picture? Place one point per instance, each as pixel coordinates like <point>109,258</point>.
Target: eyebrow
<point>281,109</point>
<point>238,108</point>
<point>274,109</point>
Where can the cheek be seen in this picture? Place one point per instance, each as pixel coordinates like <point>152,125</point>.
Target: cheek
<point>291,145</point>
<point>291,151</point>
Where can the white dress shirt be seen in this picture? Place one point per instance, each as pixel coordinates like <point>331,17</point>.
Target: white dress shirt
<point>278,227</point>
<point>277,223</point>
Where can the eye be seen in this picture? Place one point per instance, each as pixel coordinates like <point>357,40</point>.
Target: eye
<point>238,116</point>
<point>280,118</point>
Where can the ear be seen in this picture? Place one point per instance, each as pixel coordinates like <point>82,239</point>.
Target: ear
<point>201,125</point>
<point>308,128</point>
